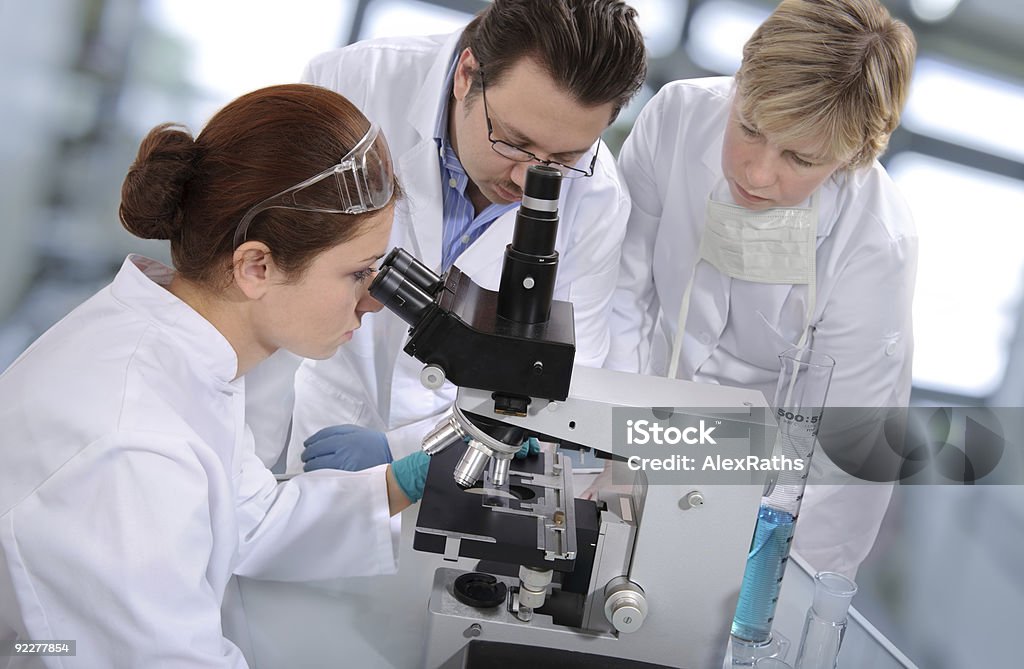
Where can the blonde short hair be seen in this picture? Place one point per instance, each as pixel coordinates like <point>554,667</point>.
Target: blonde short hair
<point>833,69</point>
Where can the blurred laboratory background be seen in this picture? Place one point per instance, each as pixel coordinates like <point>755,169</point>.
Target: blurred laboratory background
<point>84,80</point>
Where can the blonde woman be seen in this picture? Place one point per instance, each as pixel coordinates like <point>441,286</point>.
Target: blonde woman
<point>762,220</point>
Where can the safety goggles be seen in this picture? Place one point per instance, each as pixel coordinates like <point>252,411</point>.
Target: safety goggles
<point>362,182</point>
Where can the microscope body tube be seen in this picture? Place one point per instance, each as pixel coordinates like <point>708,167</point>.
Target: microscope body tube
<point>531,262</point>
<point>466,331</point>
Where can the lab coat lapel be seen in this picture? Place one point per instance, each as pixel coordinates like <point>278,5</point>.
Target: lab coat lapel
<point>419,167</point>
<point>424,105</point>
<point>421,216</point>
<point>420,176</point>
<point>712,156</point>
<point>483,259</point>
<point>709,306</point>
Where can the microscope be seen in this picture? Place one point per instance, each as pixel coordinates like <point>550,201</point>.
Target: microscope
<point>644,578</point>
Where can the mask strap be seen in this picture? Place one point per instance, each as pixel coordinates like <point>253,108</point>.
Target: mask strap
<point>812,280</point>
<point>812,295</point>
<point>684,308</point>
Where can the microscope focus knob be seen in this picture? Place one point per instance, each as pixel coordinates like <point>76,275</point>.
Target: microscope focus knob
<point>625,605</point>
<point>432,377</point>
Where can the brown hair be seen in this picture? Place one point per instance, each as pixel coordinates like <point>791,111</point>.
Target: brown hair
<point>838,69</point>
<point>195,192</point>
<point>592,48</point>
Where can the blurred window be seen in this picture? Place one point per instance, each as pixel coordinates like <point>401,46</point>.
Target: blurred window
<point>970,272</point>
<point>966,107</point>
<point>718,30</point>
<point>237,46</point>
<point>394,18</point>
<point>661,22</point>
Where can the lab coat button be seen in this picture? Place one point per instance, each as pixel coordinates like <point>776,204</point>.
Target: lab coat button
<point>890,348</point>
<point>704,338</point>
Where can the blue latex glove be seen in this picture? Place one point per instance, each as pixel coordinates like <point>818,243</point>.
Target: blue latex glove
<point>347,447</point>
<point>530,447</point>
<point>411,474</point>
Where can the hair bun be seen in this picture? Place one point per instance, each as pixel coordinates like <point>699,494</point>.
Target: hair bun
<point>153,189</point>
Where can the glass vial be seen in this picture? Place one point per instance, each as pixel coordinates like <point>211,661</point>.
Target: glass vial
<point>826,621</point>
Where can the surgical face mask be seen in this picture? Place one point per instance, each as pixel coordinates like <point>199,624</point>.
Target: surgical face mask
<point>771,246</point>
<point>363,181</point>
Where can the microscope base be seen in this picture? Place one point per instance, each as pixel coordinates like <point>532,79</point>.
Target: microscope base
<point>494,633</point>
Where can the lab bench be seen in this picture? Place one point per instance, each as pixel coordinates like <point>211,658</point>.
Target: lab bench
<point>380,622</point>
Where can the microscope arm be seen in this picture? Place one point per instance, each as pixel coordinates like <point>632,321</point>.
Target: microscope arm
<point>586,417</point>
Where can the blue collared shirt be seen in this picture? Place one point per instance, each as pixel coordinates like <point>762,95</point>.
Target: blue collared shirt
<point>461,226</point>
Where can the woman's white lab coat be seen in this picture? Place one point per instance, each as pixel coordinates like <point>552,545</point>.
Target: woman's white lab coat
<point>130,495</point>
<point>399,84</point>
<point>866,264</point>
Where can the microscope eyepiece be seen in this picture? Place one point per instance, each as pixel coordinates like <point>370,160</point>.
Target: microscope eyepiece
<point>413,270</point>
<point>540,192</point>
<point>400,295</point>
<point>405,286</point>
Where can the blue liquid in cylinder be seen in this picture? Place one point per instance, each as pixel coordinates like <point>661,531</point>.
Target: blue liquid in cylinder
<point>762,579</point>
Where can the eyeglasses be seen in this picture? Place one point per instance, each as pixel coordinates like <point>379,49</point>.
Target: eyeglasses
<point>363,181</point>
<point>521,155</point>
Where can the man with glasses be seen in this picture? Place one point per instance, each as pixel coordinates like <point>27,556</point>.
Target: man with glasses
<point>526,82</point>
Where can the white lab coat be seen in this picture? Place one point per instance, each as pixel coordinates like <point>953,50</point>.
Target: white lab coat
<point>735,330</point>
<point>399,84</point>
<point>130,496</point>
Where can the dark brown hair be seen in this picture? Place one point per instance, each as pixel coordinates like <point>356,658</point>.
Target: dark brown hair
<point>592,48</point>
<point>194,192</point>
